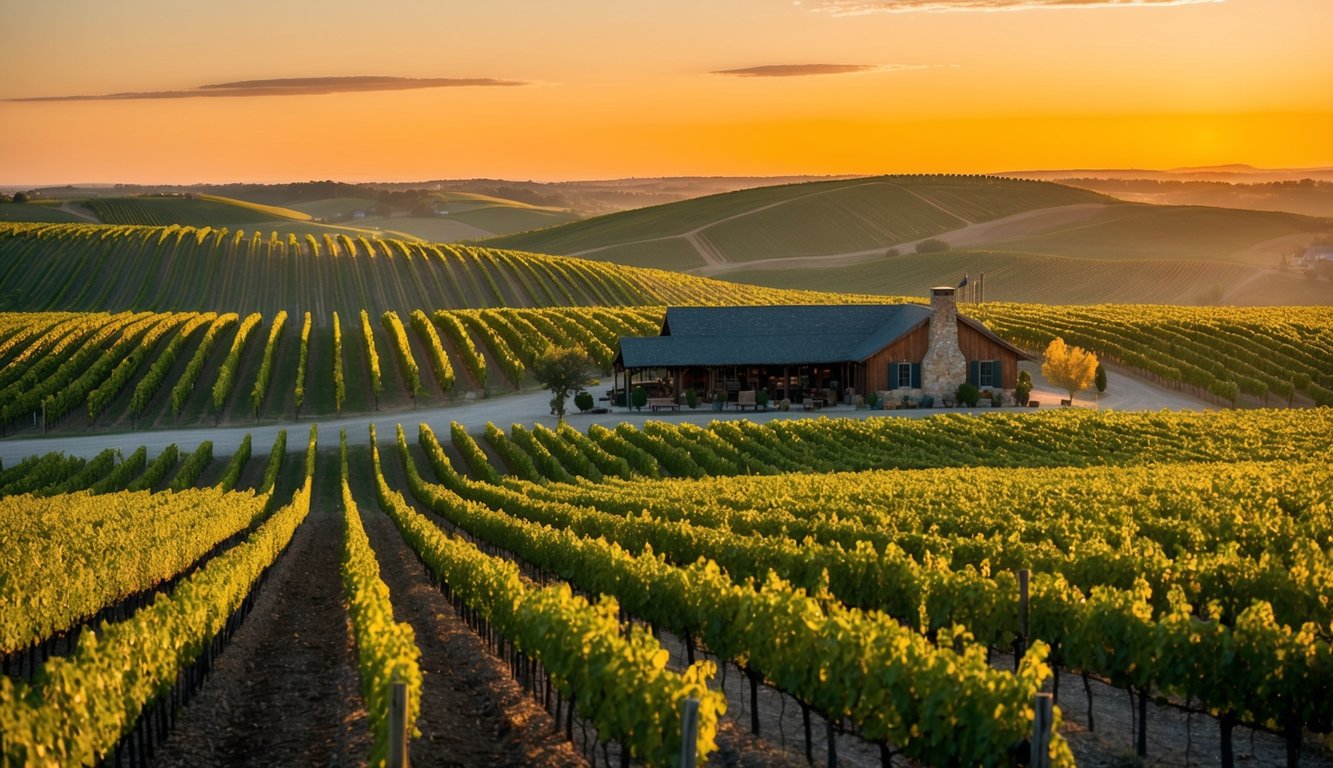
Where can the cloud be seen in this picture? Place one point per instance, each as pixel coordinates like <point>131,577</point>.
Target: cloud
<point>805,70</point>
<point>859,7</point>
<point>291,86</point>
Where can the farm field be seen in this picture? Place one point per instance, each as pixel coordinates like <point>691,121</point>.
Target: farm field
<point>74,372</point>
<point>1213,478</point>
<point>820,586</point>
<point>433,216</point>
<point>1029,237</point>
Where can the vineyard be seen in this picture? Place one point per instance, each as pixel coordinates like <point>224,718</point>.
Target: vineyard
<point>865,571</point>
<point>70,371</point>
<point>853,591</point>
<point>115,267</point>
<point>74,371</point>
<point>810,218</point>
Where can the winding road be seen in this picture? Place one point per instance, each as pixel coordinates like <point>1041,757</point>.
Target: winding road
<point>531,407</point>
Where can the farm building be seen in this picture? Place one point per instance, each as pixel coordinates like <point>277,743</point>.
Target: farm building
<point>818,352</point>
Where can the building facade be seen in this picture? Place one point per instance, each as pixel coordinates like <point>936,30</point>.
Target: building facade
<point>819,351</point>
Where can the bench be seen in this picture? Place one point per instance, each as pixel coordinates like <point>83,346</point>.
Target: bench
<point>745,399</point>
<point>658,403</point>
<point>1066,402</point>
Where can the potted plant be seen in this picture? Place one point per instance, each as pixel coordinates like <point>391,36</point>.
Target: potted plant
<point>872,400</point>
<point>927,401</point>
<point>761,399</point>
<point>719,400</point>
<point>691,399</point>
<point>784,404</point>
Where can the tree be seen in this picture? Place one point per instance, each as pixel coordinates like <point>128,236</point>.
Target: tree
<point>562,370</point>
<point>1100,379</point>
<point>1071,368</point>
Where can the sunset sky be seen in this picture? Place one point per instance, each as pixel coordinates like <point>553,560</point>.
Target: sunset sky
<point>583,89</point>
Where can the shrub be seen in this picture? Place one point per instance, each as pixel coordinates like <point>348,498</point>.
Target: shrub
<point>692,399</point>
<point>761,398</point>
<point>932,245</point>
<point>639,397</point>
<point>967,394</point>
<point>1023,390</point>
<point>584,401</point>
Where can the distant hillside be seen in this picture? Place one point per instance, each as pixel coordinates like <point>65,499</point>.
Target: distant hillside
<point>88,267</point>
<point>450,210</point>
<point>187,210</point>
<point>800,220</point>
<point>1305,196</point>
<point>1037,241</point>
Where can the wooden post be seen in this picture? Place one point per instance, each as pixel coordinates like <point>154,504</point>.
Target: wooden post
<point>689,732</point>
<point>398,726</point>
<point>1021,644</point>
<point>1041,731</point>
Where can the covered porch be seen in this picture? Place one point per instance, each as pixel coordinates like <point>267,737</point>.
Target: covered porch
<point>804,384</point>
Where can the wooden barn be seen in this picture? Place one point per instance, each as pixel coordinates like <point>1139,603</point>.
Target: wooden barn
<point>819,351</point>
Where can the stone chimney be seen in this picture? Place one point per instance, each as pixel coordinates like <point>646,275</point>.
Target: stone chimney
<point>944,367</point>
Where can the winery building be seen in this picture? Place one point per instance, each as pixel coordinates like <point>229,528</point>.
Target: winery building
<point>820,351</point>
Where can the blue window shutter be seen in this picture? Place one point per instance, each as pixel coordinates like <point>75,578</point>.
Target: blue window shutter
<point>893,376</point>
<point>974,373</point>
<point>916,375</point>
<point>995,374</point>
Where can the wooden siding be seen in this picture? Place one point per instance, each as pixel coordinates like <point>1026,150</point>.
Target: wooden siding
<point>908,349</point>
<point>912,349</point>
<point>976,346</point>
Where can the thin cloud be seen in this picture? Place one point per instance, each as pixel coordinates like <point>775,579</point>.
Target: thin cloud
<point>291,86</point>
<point>807,70</point>
<point>860,7</point>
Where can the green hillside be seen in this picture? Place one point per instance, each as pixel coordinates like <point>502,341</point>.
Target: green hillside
<point>187,210</point>
<point>36,212</point>
<point>1036,241</point>
<point>436,216</point>
<point>1173,232</point>
<point>89,267</point>
<point>1012,276</point>
<point>814,218</point>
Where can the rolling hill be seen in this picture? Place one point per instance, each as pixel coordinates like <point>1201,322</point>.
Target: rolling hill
<point>1037,241</point>
<point>99,267</point>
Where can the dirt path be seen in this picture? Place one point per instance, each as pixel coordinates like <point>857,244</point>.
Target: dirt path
<point>286,690</point>
<point>1019,225</point>
<point>472,712</point>
<point>81,212</point>
<point>1243,284</point>
<point>532,406</point>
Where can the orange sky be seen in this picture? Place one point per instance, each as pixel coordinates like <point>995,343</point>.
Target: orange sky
<point>610,88</point>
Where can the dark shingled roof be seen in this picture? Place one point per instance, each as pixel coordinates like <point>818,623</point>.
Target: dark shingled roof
<point>779,335</point>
